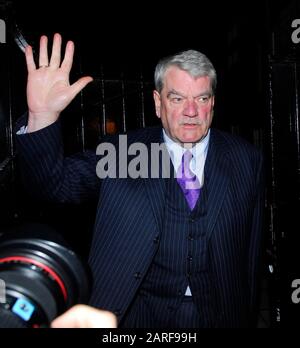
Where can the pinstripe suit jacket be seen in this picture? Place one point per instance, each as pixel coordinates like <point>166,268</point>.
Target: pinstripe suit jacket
<point>129,217</point>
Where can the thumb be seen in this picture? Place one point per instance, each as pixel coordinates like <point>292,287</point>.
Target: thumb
<point>77,86</point>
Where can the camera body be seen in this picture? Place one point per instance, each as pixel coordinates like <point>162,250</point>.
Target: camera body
<point>43,277</point>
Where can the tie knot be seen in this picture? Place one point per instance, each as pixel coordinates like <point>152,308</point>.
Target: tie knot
<point>186,157</point>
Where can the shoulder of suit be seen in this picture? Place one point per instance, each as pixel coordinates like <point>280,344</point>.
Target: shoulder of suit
<point>235,144</point>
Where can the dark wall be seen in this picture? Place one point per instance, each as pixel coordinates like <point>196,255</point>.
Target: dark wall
<point>119,45</point>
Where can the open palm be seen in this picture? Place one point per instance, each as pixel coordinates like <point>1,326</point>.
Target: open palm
<point>48,87</point>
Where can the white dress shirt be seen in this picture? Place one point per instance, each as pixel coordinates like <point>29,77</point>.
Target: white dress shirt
<point>199,152</point>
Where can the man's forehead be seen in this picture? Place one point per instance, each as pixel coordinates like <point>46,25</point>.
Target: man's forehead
<point>183,81</point>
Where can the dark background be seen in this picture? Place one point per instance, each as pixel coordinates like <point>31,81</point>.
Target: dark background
<point>119,44</point>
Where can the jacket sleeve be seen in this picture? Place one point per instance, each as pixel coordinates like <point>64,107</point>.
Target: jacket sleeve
<point>47,174</point>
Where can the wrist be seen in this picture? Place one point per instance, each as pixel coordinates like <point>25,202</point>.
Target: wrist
<point>37,121</point>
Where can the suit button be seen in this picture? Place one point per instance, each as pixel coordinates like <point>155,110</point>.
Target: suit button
<point>156,240</point>
<point>190,258</point>
<point>191,237</point>
<point>137,275</point>
<point>191,219</point>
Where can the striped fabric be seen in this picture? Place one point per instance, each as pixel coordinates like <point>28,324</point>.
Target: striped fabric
<point>130,220</point>
<point>180,258</point>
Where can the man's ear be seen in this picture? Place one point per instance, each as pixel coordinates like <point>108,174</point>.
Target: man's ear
<point>157,101</point>
<point>213,101</point>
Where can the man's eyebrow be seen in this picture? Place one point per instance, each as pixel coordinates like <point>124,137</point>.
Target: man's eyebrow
<point>205,93</point>
<point>173,91</point>
<point>202,94</point>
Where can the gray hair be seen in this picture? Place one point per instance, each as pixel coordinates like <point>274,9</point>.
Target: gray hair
<point>193,62</point>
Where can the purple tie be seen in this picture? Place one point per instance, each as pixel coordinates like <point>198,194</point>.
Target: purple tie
<point>188,181</point>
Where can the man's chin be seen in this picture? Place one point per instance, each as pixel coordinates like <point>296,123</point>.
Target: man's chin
<point>189,137</point>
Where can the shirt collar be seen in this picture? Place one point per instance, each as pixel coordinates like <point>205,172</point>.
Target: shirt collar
<point>176,151</point>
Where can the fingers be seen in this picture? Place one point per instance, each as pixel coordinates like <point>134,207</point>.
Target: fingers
<point>56,52</point>
<point>43,57</point>
<point>29,59</point>
<point>68,319</point>
<point>82,316</point>
<point>66,65</point>
<point>67,62</point>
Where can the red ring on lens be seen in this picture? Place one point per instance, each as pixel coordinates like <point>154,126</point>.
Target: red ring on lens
<point>47,269</point>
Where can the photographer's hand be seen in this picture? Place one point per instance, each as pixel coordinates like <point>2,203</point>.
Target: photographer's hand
<point>48,87</point>
<point>82,316</point>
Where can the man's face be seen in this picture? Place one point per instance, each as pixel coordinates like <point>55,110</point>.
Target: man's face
<point>185,106</point>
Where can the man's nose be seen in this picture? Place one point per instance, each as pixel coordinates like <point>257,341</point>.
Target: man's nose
<point>190,108</point>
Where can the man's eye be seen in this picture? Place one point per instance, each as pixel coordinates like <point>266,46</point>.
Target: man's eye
<point>204,99</point>
<point>176,99</point>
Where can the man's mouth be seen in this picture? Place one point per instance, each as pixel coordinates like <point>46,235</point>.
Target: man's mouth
<point>190,124</point>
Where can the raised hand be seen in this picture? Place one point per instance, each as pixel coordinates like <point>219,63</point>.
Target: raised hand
<point>48,87</point>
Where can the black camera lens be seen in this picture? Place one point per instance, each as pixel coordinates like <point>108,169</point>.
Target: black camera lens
<point>43,277</point>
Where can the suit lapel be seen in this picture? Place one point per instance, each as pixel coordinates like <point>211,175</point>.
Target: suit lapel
<point>156,187</point>
<point>217,177</point>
